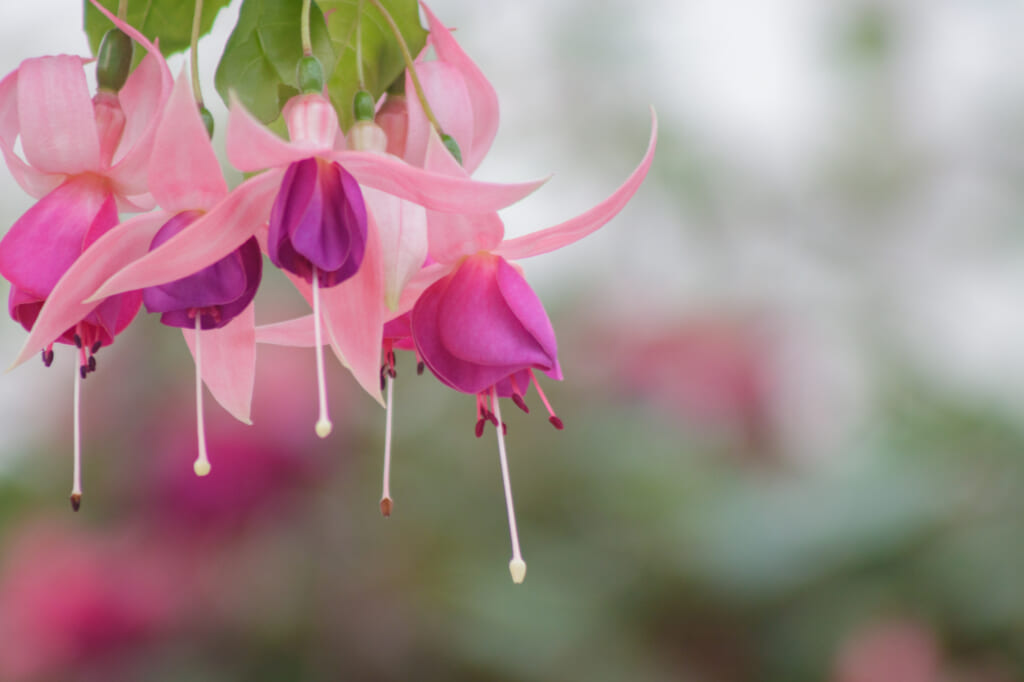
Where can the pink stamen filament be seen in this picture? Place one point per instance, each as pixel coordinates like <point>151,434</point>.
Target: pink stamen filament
<point>385,498</point>
<point>202,464</point>
<point>323,424</point>
<point>76,486</point>
<point>516,566</point>
<point>555,421</point>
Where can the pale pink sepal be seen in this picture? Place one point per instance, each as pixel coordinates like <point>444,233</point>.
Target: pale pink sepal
<point>416,286</point>
<point>445,90</point>
<point>431,190</point>
<point>58,127</point>
<point>353,316</point>
<point>33,181</point>
<point>576,228</point>
<point>213,236</point>
<point>297,332</point>
<point>252,147</point>
<point>481,94</point>
<point>184,173</point>
<point>229,362</point>
<point>402,226</point>
<point>454,235</point>
<point>64,306</point>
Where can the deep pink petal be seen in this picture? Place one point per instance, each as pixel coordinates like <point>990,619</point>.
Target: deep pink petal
<point>229,362</point>
<point>481,94</point>
<point>33,181</point>
<point>576,228</point>
<point>51,235</point>
<point>252,147</point>
<point>402,226</point>
<point>184,173</point>
<point>529,311</point>
<point>104,257</point>
<point>58,127</point>
<point>431,190</point>
<point>297,332</point>
<point>454,235</point>
<point>236,218</point>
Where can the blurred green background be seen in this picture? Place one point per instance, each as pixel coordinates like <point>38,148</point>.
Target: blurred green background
<point>794,391</point>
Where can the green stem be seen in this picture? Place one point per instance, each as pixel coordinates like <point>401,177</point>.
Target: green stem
<point>122,10</point>
<point>410,66</point>
<point>197,15</point>
<point>307,41</point>
<point>359,47</point>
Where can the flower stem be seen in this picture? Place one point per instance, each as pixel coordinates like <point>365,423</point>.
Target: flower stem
<point>197,15</point>
<point>410,65</point>
<point>359,48</point>
<point>122,10</point>
<point>307,41</point>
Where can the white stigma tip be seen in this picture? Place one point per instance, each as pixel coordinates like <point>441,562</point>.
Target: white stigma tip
<point>517,567</point>
<point>323,428</point>
<point>201,467</point>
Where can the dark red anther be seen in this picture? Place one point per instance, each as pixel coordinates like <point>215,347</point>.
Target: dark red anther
<point>383,380</point>
<point>520,403</point>
<point>489,416</point>
<point>92,363</point>
<point>78,341</point>
<point>47,357</point>
<point>419,368</point>
<point>391,372</point>
<point>556,422</point>
<point>84,370</point>
<point>480,423</point>
<point>504,429</point>
<point>96,347</point>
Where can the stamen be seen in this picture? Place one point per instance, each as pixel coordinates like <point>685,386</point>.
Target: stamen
<point>517,567</point>
<point>385,498</point>
<point>202,464</point>
<point>76,485</point>
<point>78,341</point>
<point>517,396</point>
<point>96,347</point>
<point>555,421</point>
<point>419,368</point>
<point>323,424</point>
<point>48,356</point>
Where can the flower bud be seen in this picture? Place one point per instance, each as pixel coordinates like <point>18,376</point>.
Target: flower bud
<point>452,146</point>
<point>114,60</point>
<point>363,106</point>
<point>207,117</point>
<point>310,75</point>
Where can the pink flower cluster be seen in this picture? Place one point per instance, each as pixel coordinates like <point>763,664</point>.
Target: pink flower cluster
<point>383,231</point>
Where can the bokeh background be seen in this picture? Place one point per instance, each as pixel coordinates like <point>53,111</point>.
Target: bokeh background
<point>794,391</point>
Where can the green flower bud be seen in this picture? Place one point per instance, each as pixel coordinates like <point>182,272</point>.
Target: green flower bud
<point>207,117</point>
<point>310,75</point>
<point>364,106</point>
<point>114,60</point>
<point>452,146</point>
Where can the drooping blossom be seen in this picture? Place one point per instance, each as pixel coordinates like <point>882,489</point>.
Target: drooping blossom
<point>86,158</point>
<point>213,301</point>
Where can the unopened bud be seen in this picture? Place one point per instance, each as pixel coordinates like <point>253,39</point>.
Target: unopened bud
<point>452,146</point>
<point>207,117</point>
<point>114,60</point>
<point>310,75</point>
<point>363,106</point>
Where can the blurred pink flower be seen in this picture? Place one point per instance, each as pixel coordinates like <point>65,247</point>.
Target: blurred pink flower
<point>886,652</point>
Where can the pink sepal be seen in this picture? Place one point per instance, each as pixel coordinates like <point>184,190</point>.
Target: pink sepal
<point>229,362</point>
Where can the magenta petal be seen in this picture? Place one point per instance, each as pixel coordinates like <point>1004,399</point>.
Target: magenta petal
<point>483,98</point>
<point>431,190</point>
<point>43,244</point>
<point>31,180</point>
<point>229,362</point>
<point>58,127</point>
<point>226,227</point>
<point>106,255</point>
<point>576,228</point>
<point>528,309</point>
<point>184,173</point>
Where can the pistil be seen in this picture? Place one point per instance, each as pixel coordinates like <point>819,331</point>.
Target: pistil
<point>202,464</point>
<point>76,486</point>
<point>385,499</point>
<point>516,566</point>
<point>323,424</point>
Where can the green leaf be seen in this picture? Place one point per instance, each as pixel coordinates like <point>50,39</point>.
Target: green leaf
<point>358,22</point>
<point>263,51</point>
<point>168,20</point>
